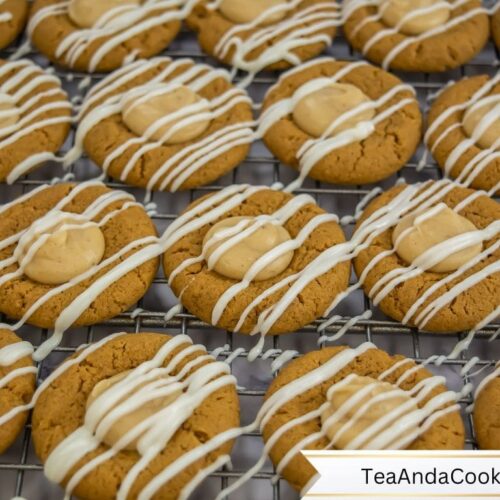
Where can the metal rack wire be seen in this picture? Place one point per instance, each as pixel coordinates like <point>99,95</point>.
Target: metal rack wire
<point>20,471</point>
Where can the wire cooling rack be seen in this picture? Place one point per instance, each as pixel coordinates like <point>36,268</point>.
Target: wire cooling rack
<point>21,473</point>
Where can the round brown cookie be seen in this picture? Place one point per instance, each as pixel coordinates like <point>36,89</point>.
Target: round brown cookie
<point>200,289</point>
<point>17,392</point>
<point>465,311</point>
<point>104,50</point>
<point>378,156</point>
<point>18,294</point>
<point>43,117</point>
<point>446,433</point>
<point>212,27</point>
<point>495,26</point>
<point>474,165</point>
<point>445,50</point>
<point>61,408</point>
<point>13,15</point>
<point>487,416</point>
<point>232,127</point>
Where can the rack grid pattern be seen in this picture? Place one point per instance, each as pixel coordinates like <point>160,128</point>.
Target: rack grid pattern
<point>20,471</point>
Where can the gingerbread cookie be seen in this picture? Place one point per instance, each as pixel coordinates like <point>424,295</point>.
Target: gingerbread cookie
<point>36,117</point>
<point>487,412</point>
<point>17,385</point>
<point>264,34</point>
<point>341,122</point>
<point>74,255</point>
<point>417,35</point>
<point>166,125</point>
<point>428,256</point>
<point>86,35</point>
<point>495,25</point>
<point>255,260</point>
<point>135,416</point>
<point>351,399</point>
<point>13,15</point>
<point>463,132</point>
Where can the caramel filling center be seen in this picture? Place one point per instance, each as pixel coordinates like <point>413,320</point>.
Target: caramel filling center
<point>352,412</point>
<point>86,13</point>
<point>130,418</point>
<point>484,118</point>
<point>239,257</point>
<point>437,12</point>
<point>55,255</point>
<point>424,232</point>
<point>243,11</point>
<point>141,113</point>
<point>316,113</point>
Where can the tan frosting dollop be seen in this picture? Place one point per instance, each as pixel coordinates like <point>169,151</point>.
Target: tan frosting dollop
<point>7,104</point>
<point>236,261</point>
<point>139,114</point>
<point>395,10</point>
<point>472,118</point>
<point>433,230</point>
<point>128,421</point>
<point>86,13</point>
<point>65,254</point>
<point>243,11</point>
<point>374,413</point>
<point>315,112</point>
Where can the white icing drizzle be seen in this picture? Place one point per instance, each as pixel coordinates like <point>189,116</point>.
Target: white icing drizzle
<point>351,6</point>
<point>157,430</point>
<point>143,250</point>
<point>31,111</point>
<point>136,312</point>
<point>237,352</point>
<point>177,169</point>
<point>12,353</point>
<point>314,150</point>
<point>412,199</point>
<point>484,157</point>
<point>381,433</point>
<point>172,312</point>
<point>487,380</point>
<point>291,30</point>
<point>19,372</point>
<point>342,331</point>
<point>358,211</point>
<point>61,369</point>
<point>6,15</point>
<point>119,25</point>
<point>282,359</point>
<point>9,355</point>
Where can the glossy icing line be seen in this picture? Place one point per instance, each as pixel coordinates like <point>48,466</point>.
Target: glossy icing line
<point>31,112</point>
<point>116,27</point>
<point>177,169</point>
<point>412,199</point>
<point>315,150</point>
<point>142,249</point>
<point>296,30</point>
<point>156,431</point>
<point>352,5</point>
<point>484,157</point>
